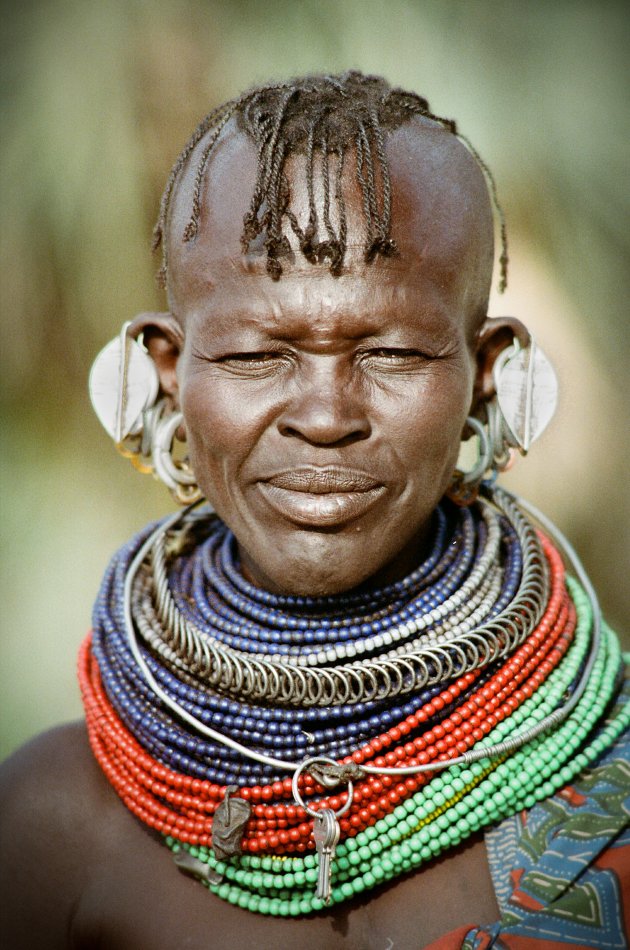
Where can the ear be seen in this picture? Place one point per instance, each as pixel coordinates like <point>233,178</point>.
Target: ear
<point>494,336</point>
<point>164,339</point>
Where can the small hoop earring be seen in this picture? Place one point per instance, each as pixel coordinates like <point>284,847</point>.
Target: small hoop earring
<point>476,473</point>
<point>177,475</point>
<point>124,385</point>
<point>464,487</point>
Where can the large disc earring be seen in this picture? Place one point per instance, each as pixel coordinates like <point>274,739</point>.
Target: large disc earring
<point>526,394</point>
<point>124,385</point>
<point>525,400</point>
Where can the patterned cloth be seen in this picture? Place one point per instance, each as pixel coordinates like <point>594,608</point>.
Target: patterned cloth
<point>561,871</point>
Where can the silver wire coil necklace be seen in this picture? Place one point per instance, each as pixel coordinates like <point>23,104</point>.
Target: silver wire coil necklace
<point>152,615</point>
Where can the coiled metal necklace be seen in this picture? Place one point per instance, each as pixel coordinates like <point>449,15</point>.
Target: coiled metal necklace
<point>195,680</point>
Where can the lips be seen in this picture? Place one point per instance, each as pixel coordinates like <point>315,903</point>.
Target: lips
<point>321,497</point>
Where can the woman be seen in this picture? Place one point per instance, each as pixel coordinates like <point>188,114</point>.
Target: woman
<point>322,699</point>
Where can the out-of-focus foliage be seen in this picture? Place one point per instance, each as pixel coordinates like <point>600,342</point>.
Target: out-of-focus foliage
<point>98,98</point>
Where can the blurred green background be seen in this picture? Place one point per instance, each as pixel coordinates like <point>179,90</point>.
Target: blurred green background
<point>97,100</point>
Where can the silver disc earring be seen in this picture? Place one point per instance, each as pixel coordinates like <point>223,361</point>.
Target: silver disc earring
<point>527,393</point>
<point>525,400</point>
<point>124,386</point>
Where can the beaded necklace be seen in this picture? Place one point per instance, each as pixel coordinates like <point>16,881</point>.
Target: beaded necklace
<point>446,700</point>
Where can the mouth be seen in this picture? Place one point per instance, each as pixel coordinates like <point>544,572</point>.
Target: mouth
<point>321,497</point>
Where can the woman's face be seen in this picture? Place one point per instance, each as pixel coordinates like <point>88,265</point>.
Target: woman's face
<point>324,414</point>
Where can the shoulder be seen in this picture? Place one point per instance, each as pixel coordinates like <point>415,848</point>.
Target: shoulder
<point>50,790</point>
<point>52,774</point>
<point>51,749</point>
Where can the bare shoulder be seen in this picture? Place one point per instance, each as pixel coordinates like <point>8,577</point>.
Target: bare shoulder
<point>50,791</point>
<point>53,750</point>
<point>51,776</point>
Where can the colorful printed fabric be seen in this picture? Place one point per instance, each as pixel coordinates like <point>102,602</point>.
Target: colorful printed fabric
<point>561,871</point>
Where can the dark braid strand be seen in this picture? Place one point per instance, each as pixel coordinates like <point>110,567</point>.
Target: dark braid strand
<point>319,117</point>
<point>341,207</point>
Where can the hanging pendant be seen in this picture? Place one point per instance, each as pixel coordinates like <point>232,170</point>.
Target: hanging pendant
<point>228,824</point>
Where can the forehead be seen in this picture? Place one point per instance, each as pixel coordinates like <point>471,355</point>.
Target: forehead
<point>441,220</point>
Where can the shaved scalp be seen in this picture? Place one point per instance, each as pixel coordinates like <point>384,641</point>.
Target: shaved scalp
<point>330,120</point>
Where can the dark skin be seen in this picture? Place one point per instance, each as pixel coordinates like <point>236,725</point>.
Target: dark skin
<point>323,417</point>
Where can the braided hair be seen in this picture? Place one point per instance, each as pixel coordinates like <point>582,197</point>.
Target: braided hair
<point>318,116</point>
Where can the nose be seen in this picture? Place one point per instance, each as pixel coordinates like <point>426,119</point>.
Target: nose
<point>327,408</point>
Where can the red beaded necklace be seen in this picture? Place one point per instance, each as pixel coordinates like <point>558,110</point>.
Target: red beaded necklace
<point>182,807</point>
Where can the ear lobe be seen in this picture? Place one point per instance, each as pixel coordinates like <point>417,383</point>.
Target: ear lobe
<point>164,339</point>
<point>495,335</point>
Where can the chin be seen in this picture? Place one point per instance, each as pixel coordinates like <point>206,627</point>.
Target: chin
<point>314,586</point>
<point>324,584</point>
<point>320,577</point>
<point>318,564</point>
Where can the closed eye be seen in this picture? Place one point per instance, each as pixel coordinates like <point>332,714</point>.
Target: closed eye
<point>262,357</point>
<point>255,363</point>
<point>242,356</point>
<point>395,357</point>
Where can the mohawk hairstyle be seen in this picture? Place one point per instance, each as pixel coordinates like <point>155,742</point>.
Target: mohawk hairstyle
<point>319,117</point>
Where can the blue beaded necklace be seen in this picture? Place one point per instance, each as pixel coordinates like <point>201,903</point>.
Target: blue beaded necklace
<point>211,592</point>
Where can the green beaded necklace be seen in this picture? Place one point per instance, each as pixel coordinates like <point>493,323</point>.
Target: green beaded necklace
<point>454,804</point>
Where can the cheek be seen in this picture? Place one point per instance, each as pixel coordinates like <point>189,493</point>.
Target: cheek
<point>222,427</point>
<point>430,421</point>
<point>210,429</point>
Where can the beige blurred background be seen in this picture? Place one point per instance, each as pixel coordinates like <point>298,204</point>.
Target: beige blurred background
<point>98,99</point>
